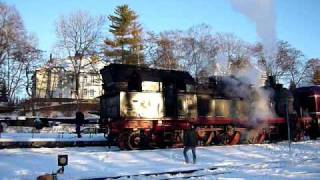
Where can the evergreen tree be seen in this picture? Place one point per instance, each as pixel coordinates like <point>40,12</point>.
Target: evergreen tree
<point>126,45</point>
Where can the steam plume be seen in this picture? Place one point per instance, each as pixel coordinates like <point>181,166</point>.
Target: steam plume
<point>262,14</point>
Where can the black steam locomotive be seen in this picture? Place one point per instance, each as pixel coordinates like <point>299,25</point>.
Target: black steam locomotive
<point>158,105</point>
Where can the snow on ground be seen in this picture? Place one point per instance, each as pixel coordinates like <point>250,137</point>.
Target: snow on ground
<point>267,161</point>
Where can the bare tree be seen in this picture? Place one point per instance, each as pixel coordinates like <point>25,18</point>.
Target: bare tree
<point>78,36</point>
<point>197,48</point>
<point>11,30</point>
<point>17,51</point>
<point>160,49</point>
<point>288,65</point>
<point>297,68</point>
<point>312,75</point>
<point>193,50</point>
<point>234,54</point>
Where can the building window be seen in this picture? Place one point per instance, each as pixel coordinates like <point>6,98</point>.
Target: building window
<point>91,93</point>
<point>92,79</point>
<point>85,79</point>
<point>71,79</point>
<point>85,92</point>
<point>71,93</point>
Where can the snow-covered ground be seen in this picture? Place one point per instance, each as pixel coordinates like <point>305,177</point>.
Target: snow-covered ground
<point>267,161</point>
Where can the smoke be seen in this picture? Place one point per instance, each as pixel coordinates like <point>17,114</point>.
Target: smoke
<point>261,104</point>
<point>262,14</point>
<point>246,84</point>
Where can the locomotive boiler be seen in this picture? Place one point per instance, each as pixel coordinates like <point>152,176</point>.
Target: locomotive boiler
<point>160,104</point>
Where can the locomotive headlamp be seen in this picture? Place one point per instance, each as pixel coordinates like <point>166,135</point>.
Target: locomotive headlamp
<point>62,160</point>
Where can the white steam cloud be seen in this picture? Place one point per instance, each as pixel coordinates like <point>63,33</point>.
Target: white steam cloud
<point>262,14</point>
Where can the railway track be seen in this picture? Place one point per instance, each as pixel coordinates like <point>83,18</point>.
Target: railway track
<point>196,172</point>
<point>176,174</point>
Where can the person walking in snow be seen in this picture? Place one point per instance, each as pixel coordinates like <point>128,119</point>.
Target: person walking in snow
<point>79,121</point>
<point>190,142</point>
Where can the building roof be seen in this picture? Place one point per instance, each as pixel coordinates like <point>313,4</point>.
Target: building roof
<point>88,65</point>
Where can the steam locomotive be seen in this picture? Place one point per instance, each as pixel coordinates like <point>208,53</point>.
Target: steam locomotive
<point>157,105</point>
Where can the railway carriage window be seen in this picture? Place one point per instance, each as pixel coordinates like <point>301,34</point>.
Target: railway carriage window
<point>134,83</point>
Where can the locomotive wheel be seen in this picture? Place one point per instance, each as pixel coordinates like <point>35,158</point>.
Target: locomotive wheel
<point>153,143</point>
<point>206,138</point>
<point>299,136</point>
<point>133,140</point>
<point>231,136</point>
<point>227,139</point>
<point>235,138</point>
<point>261,138</point>
<point>256,137</point>
<point>177,139</point>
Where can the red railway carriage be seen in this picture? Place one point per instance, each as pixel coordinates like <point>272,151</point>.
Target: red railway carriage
<point>162,103</point>
<point>307,106</point>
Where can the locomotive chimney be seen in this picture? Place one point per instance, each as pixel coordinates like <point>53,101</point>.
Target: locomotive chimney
<point>271,82</point>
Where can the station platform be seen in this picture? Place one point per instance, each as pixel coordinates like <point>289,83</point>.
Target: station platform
<point>50,140</point>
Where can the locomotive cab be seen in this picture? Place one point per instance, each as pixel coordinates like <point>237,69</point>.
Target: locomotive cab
<point>140,92</point>
<point>140,98</point>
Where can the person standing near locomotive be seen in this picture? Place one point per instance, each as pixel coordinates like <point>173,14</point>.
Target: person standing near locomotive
<point>190,142</point>
<point>79,122</point>
<point>144,142</point>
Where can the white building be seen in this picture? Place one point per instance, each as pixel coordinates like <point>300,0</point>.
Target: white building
<point>57,80</point>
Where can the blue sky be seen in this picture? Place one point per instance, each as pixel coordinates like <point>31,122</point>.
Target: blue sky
<point>298,21</point>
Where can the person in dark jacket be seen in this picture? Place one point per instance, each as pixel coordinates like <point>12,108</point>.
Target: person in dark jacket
<point>79,122</point>
<point>37,123</point>
<point>144,141</point>
<point>190,142</point>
